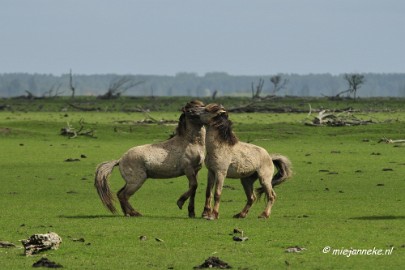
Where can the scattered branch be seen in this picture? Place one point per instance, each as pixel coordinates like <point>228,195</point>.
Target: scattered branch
<point>386,140</point>
<point>150,120</point>
<point>345,118</point>
<point>71,132</point>
<point>118,86</point>
<point>53,91</point>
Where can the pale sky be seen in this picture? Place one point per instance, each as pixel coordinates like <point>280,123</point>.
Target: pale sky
<point>165,37</point>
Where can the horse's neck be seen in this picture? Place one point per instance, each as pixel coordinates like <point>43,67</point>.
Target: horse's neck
<point>195,134</point>
<point>212,140</point>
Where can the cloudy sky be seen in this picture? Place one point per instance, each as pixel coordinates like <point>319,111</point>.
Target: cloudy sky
<point>165,37</point>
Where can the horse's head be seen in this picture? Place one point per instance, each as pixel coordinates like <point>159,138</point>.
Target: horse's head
<point>193,108</point>
<point>213,113</point>
<point>216,116</point>
<point>190,112</point>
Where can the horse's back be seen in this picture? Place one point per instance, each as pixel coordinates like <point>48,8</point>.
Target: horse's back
<point>247,159</point>
<point>162,160</point>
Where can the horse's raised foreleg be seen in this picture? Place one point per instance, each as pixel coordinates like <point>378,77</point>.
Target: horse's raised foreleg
<point>208,195</point>
<point>247,184</point>
<point>190,193</point>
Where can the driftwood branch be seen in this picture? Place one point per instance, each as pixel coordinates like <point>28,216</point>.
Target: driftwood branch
<point>386,140</point>
<point>346,118</point>
<point>40,242</point>
<point>71,132</point>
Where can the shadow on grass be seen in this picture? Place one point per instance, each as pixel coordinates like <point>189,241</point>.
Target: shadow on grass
<point>121,216</point>
<point>387,217</point>
<point>89,216</point>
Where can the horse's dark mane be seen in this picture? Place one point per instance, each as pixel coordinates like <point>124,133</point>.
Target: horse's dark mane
<point>224,127</point>
<point>181,127</point>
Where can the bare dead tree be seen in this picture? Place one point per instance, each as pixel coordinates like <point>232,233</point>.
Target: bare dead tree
<point>354,81</point>
<point>30,95</point>
<point>214,94</point>
<point>278,83</point>
<point>72,88</point>
<point>257,90</point>
<point>54,91</point>
<point>118,86</point>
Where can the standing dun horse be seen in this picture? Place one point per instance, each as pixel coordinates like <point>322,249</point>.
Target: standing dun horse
<point>183,154</point>
<point>228,157</point>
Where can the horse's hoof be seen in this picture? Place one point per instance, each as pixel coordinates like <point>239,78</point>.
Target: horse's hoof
<point>133,214</point>
<point>263,215</point>
<point>191,215</point>
<point>239,215</point>
<point>180,204</point>
<point>215,214</point>
<point>206,214</point>
<point>209,217</point>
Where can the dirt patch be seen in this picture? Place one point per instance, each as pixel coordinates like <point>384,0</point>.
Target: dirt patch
<point>5,131</point>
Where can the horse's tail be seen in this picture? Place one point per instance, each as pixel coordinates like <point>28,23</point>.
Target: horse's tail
<point>284,171</point>
<point>103,172</point>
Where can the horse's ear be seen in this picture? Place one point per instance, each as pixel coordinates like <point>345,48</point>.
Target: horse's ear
<point>223,113</point>
<point>222,116</point>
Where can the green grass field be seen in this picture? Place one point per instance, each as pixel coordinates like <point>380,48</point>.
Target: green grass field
<point>347,193</point>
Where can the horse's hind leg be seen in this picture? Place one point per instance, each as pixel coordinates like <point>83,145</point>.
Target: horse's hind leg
<point>247,184</point>
<point>190,193</point>
<point>270,195</point>
<point>134,182</point>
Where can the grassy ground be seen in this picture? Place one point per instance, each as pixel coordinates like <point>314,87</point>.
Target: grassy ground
<point>347,193</point>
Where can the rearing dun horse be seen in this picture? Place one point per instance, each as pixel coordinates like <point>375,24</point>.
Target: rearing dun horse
<point>228,157</point>
<point>183,154</point>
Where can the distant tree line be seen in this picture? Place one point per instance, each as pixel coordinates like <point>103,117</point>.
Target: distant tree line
<point>190,84</point>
